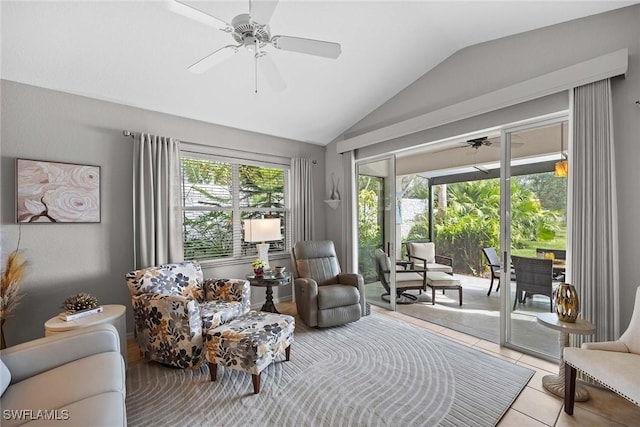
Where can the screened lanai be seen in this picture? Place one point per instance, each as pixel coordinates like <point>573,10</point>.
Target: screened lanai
<point>449,194</point>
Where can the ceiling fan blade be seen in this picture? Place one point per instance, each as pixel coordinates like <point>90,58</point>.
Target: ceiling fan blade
<point>308,46</point>
<point>213,59</point>
<point>271,73</point>
<point>191,12</point>
<point>481,169</point>
<point>262,10</point>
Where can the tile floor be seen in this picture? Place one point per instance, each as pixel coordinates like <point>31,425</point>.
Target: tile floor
<point>535,406</point>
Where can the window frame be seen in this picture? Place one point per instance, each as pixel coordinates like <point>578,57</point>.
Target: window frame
<point>236,210</point>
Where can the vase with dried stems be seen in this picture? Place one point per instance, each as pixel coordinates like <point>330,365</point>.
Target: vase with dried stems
<point>11,278</point>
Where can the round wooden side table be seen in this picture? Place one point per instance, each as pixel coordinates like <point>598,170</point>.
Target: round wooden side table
<point>268,281</point>
<point>555,383</point>
<point>112,313</point>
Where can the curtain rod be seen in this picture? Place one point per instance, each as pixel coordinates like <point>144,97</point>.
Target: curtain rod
<point>132,134</point>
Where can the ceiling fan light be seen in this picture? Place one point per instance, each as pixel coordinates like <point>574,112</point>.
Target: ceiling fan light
<point>561,169</point>
<point>250,44</point>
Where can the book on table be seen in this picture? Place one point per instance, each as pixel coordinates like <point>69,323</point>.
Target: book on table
<point>75,315</point>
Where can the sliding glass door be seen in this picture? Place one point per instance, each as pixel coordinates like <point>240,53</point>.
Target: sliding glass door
<point>376,204</point>
<point>533,231</point>
<point>455,203</point>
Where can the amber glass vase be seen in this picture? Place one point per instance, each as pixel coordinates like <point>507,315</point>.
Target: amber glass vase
<point>567,303</point>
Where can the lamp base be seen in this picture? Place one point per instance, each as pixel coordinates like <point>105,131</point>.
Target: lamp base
<point>263,253</point>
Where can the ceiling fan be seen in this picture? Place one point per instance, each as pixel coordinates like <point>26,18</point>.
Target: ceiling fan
<point>479,142</point>
<point>251,31</point>
<point>476,143</point>
<point>484,141</point>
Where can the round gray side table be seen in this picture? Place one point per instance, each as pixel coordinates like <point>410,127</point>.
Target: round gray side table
<point>555,383</point>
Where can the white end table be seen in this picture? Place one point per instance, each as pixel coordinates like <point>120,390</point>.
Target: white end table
<point>113,314</point>
<point>555,383</point>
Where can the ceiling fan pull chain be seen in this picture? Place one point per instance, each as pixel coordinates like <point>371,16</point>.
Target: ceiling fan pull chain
<point>256,72</point>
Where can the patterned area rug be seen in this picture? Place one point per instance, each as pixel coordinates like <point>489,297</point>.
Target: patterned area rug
<point>374,372</point>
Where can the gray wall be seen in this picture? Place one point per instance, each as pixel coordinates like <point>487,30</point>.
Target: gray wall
<point>65,259</point>
<point>334,217</point>
<point>489,66</point>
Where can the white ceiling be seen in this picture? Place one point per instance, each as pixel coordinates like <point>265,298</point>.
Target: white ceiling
<point>137,54</point>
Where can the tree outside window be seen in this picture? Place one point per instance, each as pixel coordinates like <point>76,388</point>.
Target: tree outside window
<point>219,195</point>
<point>467,218</point>
<point>370,224</point>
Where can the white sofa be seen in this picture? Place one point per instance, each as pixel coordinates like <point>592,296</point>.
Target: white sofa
<point>76,378</point>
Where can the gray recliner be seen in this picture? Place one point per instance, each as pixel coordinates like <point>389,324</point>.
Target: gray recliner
<point>324,295</point>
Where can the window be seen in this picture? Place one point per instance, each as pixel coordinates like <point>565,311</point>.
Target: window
<point>370,224</point>
<point>218,195</point>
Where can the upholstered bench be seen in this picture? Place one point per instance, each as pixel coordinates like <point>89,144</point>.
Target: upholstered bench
<point>442,280</point>
<point>250,343</point>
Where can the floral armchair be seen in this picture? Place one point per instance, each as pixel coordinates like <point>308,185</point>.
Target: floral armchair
<point>174,307</point>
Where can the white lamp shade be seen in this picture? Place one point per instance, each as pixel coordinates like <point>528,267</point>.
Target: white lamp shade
<point>262,230</point>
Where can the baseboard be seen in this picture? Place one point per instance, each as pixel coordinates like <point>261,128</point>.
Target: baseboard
<point>258,305</point>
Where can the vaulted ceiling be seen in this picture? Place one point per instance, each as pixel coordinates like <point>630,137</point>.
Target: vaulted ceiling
<point>137,53</point>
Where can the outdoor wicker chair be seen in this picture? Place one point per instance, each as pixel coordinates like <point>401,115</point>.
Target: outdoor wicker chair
<point>494,264</point>
<point>534,276</point>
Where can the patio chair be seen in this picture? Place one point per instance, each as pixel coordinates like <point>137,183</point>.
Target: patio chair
<point>557,253</point>
<point>534,276</point>
<point>559,256</point>
<point>494,264</point>
<point>406,279</point>
<point>424,254</point>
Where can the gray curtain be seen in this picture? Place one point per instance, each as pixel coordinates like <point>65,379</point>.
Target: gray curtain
<point>302,216</point>
<point>594,229</point>
<point>349,210</point>
<point>157,207</point>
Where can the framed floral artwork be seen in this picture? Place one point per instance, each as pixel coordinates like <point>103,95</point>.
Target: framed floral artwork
<point>57,192</point>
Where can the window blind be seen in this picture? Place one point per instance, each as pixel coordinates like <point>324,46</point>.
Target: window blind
<point>219,195</point>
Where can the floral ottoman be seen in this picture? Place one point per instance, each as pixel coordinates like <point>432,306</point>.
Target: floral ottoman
<point>250,343</point>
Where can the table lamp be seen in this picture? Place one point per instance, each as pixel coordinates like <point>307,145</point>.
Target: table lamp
<point>262,230</point>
